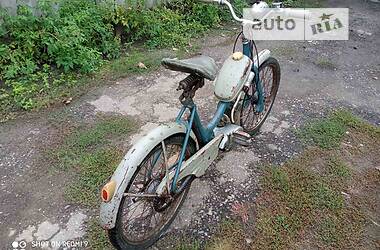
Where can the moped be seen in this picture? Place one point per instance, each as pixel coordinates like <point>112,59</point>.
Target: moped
<point>143,196</point>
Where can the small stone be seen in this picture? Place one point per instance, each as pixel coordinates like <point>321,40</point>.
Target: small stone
<point>67,100</point>
<point>248,240</point>
<point>11,232</point>
<point>345,194</point>
<point>209,212</point>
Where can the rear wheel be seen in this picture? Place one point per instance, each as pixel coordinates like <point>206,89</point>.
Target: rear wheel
<point>270,75</point>
<point>142,220</point>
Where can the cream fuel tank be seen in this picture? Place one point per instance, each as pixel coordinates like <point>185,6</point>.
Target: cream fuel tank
<point>235,72</point>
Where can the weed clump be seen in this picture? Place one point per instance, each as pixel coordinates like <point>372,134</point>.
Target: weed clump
<point>328,133</point>
<point>90,153</point>
<point>324,198</point>
<point>52,45</point>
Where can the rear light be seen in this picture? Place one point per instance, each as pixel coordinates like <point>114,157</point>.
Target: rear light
<point>108,191</point>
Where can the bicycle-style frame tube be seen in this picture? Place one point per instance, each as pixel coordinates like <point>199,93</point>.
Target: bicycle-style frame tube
<point>247,51</point>
<point>206,133</point>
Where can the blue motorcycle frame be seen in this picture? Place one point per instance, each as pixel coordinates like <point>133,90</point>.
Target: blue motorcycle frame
<point>206,133</point>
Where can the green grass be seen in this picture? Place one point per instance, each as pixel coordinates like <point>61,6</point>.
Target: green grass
<point>128,64</point>
<point>280,179</point>
<point>285,51</point>
<point>298,199</point>
<point>327,230</point>
<point>182,245</point>
<point>328,133</point>
<point>299,195</point>
<point>90,153</point>
<point>73,85</point>
<point>324,196</point>
<point>325,134</point>
<point>325,63</point>
<point>230,235</point>
<point>304,202</point>
<point>338,168</point>
<point>96,237</point>
<point>29,70</point>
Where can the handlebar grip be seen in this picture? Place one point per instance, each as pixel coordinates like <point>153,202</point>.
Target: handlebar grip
<point>298,13</point>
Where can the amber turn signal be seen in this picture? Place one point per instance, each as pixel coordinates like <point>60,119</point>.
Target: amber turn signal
<point>108,191</point>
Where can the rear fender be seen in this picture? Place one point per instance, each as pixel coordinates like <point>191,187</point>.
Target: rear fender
<point>126,169</point>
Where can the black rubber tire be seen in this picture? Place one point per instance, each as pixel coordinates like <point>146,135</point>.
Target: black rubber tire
<point>276,84</point>
<point>115,234</point>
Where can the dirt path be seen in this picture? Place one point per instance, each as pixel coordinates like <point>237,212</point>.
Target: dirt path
<point>32,203</point>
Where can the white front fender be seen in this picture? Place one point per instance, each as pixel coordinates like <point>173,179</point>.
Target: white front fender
<point>124,172</point>
<point>263,56</point>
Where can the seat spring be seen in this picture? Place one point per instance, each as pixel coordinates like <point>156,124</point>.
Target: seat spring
<point>189,82</point>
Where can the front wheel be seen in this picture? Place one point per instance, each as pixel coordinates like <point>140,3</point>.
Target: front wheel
<point>142,220</point>
<point>251,120</point>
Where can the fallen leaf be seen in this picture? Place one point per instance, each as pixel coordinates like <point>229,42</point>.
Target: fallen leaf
<point>68,100</point>
<point>141,65</point>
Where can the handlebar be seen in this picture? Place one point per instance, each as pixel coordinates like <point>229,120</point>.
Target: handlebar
<point>297,13</point>
<point>229,5</point>
<point>288,12</point>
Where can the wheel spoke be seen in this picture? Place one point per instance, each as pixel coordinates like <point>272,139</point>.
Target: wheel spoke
<point>249,119</point>
<point>141,216</point>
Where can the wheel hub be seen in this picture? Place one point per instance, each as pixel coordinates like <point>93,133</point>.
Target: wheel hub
<point>162,203</point>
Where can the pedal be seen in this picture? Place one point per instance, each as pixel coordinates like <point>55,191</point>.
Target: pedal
<point>242,138</point>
